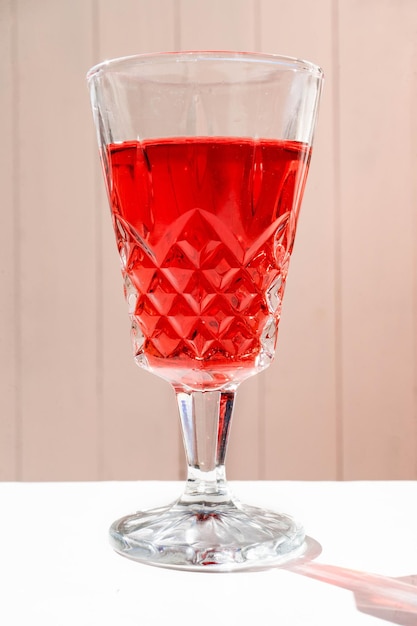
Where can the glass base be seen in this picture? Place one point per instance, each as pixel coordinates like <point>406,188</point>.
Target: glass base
<point>216,537</point>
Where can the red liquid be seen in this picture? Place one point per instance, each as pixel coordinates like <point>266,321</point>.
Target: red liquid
<point>205,228</point>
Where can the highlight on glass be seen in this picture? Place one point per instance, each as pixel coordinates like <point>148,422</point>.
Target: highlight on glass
<point>205,157</point>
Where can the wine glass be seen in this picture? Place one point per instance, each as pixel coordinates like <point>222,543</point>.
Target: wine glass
<point>205,157</point>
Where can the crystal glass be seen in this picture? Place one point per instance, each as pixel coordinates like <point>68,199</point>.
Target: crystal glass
<point>205,157</point>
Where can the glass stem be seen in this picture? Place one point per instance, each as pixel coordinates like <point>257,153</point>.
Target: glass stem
<point>205,420</point>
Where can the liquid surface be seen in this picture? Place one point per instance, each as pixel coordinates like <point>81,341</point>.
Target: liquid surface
<point>205,229</point>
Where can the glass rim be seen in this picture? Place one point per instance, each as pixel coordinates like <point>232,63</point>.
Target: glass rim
<point>280,61</point>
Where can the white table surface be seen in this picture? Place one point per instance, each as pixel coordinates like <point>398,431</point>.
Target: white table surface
<point>56,567</point>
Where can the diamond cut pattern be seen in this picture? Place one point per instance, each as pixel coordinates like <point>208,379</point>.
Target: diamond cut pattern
<point>200,299</point>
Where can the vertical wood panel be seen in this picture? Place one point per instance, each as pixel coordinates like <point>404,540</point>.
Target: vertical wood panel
<point>57,241</point>
<point>378,165</point>
<point>413,197</point>
<point>347,349</point>
<point>140,428</point>
<point>300,387</point>
<point>8,249</point>
<point>219,25</point>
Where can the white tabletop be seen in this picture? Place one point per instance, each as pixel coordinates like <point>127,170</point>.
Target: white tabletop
<point>56,567</point>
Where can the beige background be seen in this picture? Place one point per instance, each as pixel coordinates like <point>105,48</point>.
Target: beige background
<point>340,400</point>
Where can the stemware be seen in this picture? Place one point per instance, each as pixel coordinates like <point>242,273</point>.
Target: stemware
<point>205,157</point>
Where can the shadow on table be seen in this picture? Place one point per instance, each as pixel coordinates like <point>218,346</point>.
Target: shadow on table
<point>390,611</point>
<point>391,599</point>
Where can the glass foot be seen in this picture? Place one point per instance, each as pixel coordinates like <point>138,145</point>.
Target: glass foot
<point>223,537</point>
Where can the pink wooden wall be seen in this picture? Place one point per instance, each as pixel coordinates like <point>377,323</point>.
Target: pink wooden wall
<point>340,400</point>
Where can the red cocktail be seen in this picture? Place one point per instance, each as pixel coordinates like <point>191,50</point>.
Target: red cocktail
<point>205,228</point>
